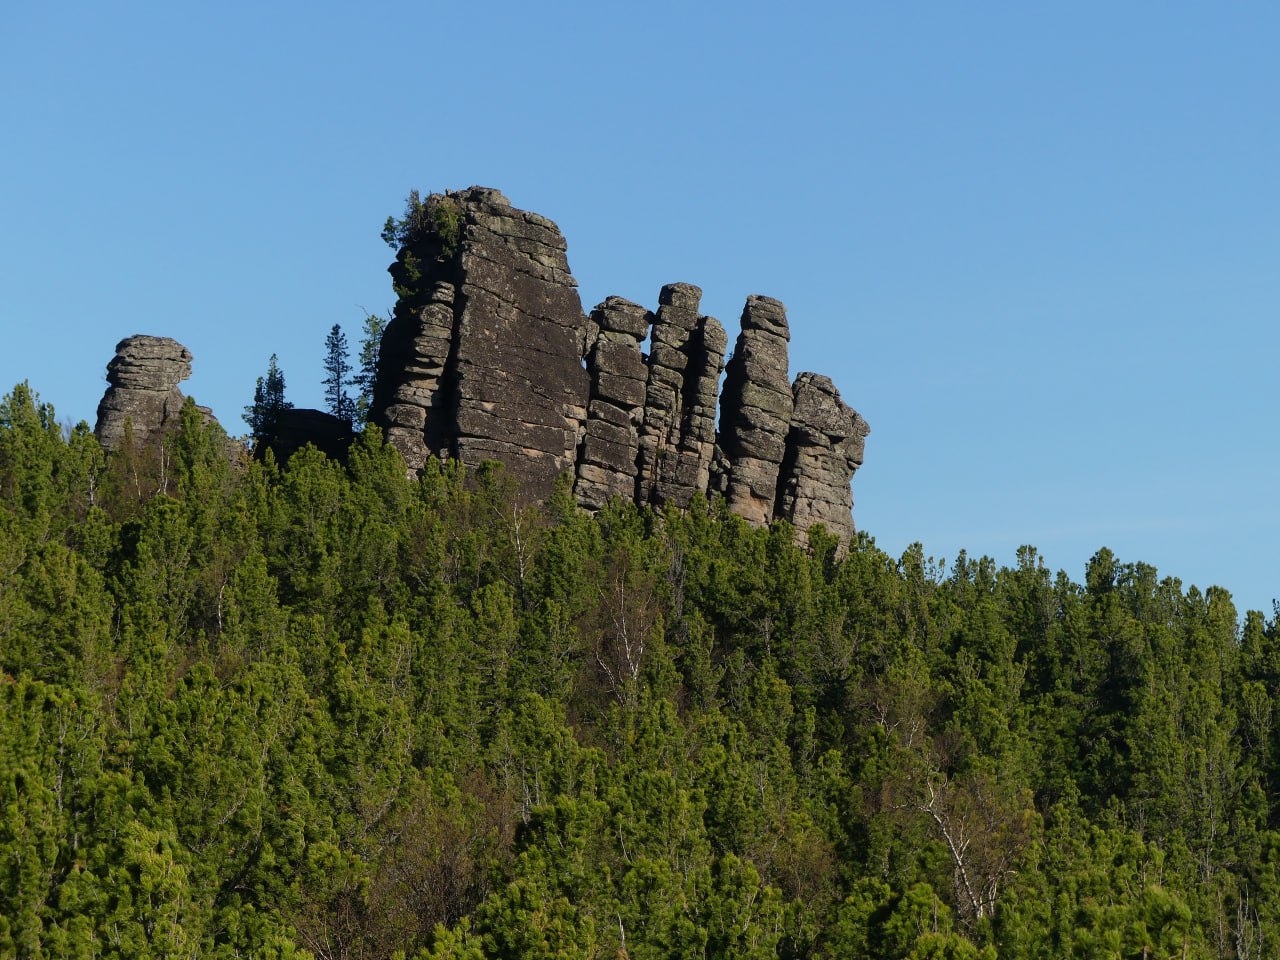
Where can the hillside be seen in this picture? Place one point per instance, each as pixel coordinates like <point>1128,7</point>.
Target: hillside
<point>323,709</point>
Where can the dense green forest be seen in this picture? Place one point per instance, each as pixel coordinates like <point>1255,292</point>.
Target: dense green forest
<point>251,710</point>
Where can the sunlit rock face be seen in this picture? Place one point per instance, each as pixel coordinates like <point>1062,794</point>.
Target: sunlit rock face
<point>142,390</point>
<point>607,459</point>
<point>489,356</point>
<point>483,359</point>
<point>825,446</point>
<point>755,410</point>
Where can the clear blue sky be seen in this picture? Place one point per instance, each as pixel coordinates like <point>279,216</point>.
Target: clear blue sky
<point>1036,246</point>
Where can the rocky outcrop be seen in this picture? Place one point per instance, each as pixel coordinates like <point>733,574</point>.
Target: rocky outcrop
<point>414,352</point>
<point>489,356</point>
<point>142,399</point>
<point>521,387</point>
<point>824,448</point>
<point>677,439</point>
<point>611,441</point>
<point>755,410</point>
<point>483,359</point>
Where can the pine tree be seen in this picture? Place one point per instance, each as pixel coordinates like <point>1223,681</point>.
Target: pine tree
<point>263,415</point>
<point>337,375</point>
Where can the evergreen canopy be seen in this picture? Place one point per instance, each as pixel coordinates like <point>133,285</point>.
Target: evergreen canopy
<point>323,710</point>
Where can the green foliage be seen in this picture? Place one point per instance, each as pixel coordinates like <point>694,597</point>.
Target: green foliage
<point>436,220</point>
<point>367,368</point>
<point>263,414</point>
<point>337,375</point>
<point>326,710</point>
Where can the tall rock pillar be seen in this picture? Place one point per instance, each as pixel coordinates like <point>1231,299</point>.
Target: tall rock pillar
<point>677,439</point>
<point>484,357</point>
<point>755,410</point>
<point>611,442</point>
<point>824,449</point>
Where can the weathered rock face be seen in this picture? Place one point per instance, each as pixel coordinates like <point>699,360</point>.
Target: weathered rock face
<point>143,376</point>
<point>824,449</point>
<point>677,439</point>
<point>755,410</point>
<point>415,349</point>
<point>611,441</point>
<point>489,356</point>
<point>483,358</point>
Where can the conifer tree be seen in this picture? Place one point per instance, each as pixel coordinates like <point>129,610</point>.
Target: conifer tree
<point>263,414</point>
<point>337,375</point>
<point>374,325</point>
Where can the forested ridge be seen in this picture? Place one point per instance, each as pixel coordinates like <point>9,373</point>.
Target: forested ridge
<point>319,709</point>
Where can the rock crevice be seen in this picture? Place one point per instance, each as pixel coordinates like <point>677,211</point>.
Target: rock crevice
<point>677,437</point>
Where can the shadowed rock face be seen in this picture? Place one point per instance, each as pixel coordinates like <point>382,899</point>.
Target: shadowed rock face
<point>143,376</point>
<point>490,357</point>
<point>415,349</point>
<point>824,449</point>
<point>296,427</point>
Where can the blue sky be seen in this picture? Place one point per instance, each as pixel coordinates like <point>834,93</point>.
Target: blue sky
<point>1035,246</point>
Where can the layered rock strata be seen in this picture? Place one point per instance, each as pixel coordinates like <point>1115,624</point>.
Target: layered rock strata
<point>677,439</point>
<point>415,348</point>
<point>755,410</point>
<point>825,445</point>
<point>611,440</point>
<point>142,399</point>
<point>483,357</point>
<point>490,356</point>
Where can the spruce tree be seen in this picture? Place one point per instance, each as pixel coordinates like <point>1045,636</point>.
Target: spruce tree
<point>337,375</point>
<point>263,414</point>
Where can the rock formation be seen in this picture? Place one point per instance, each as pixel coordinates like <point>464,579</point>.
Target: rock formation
<point>483,358</point>
<point>677,439</point>
<point>143,376</point>
<point>755,410</point>
<point>611,442</point>
<point>489,356</point>
<point>414,351</point>
<point>824,448</point>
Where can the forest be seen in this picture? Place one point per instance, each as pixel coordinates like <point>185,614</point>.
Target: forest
<point>320,709</point>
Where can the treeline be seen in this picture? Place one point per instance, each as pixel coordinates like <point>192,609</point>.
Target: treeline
<point>249,710</point>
